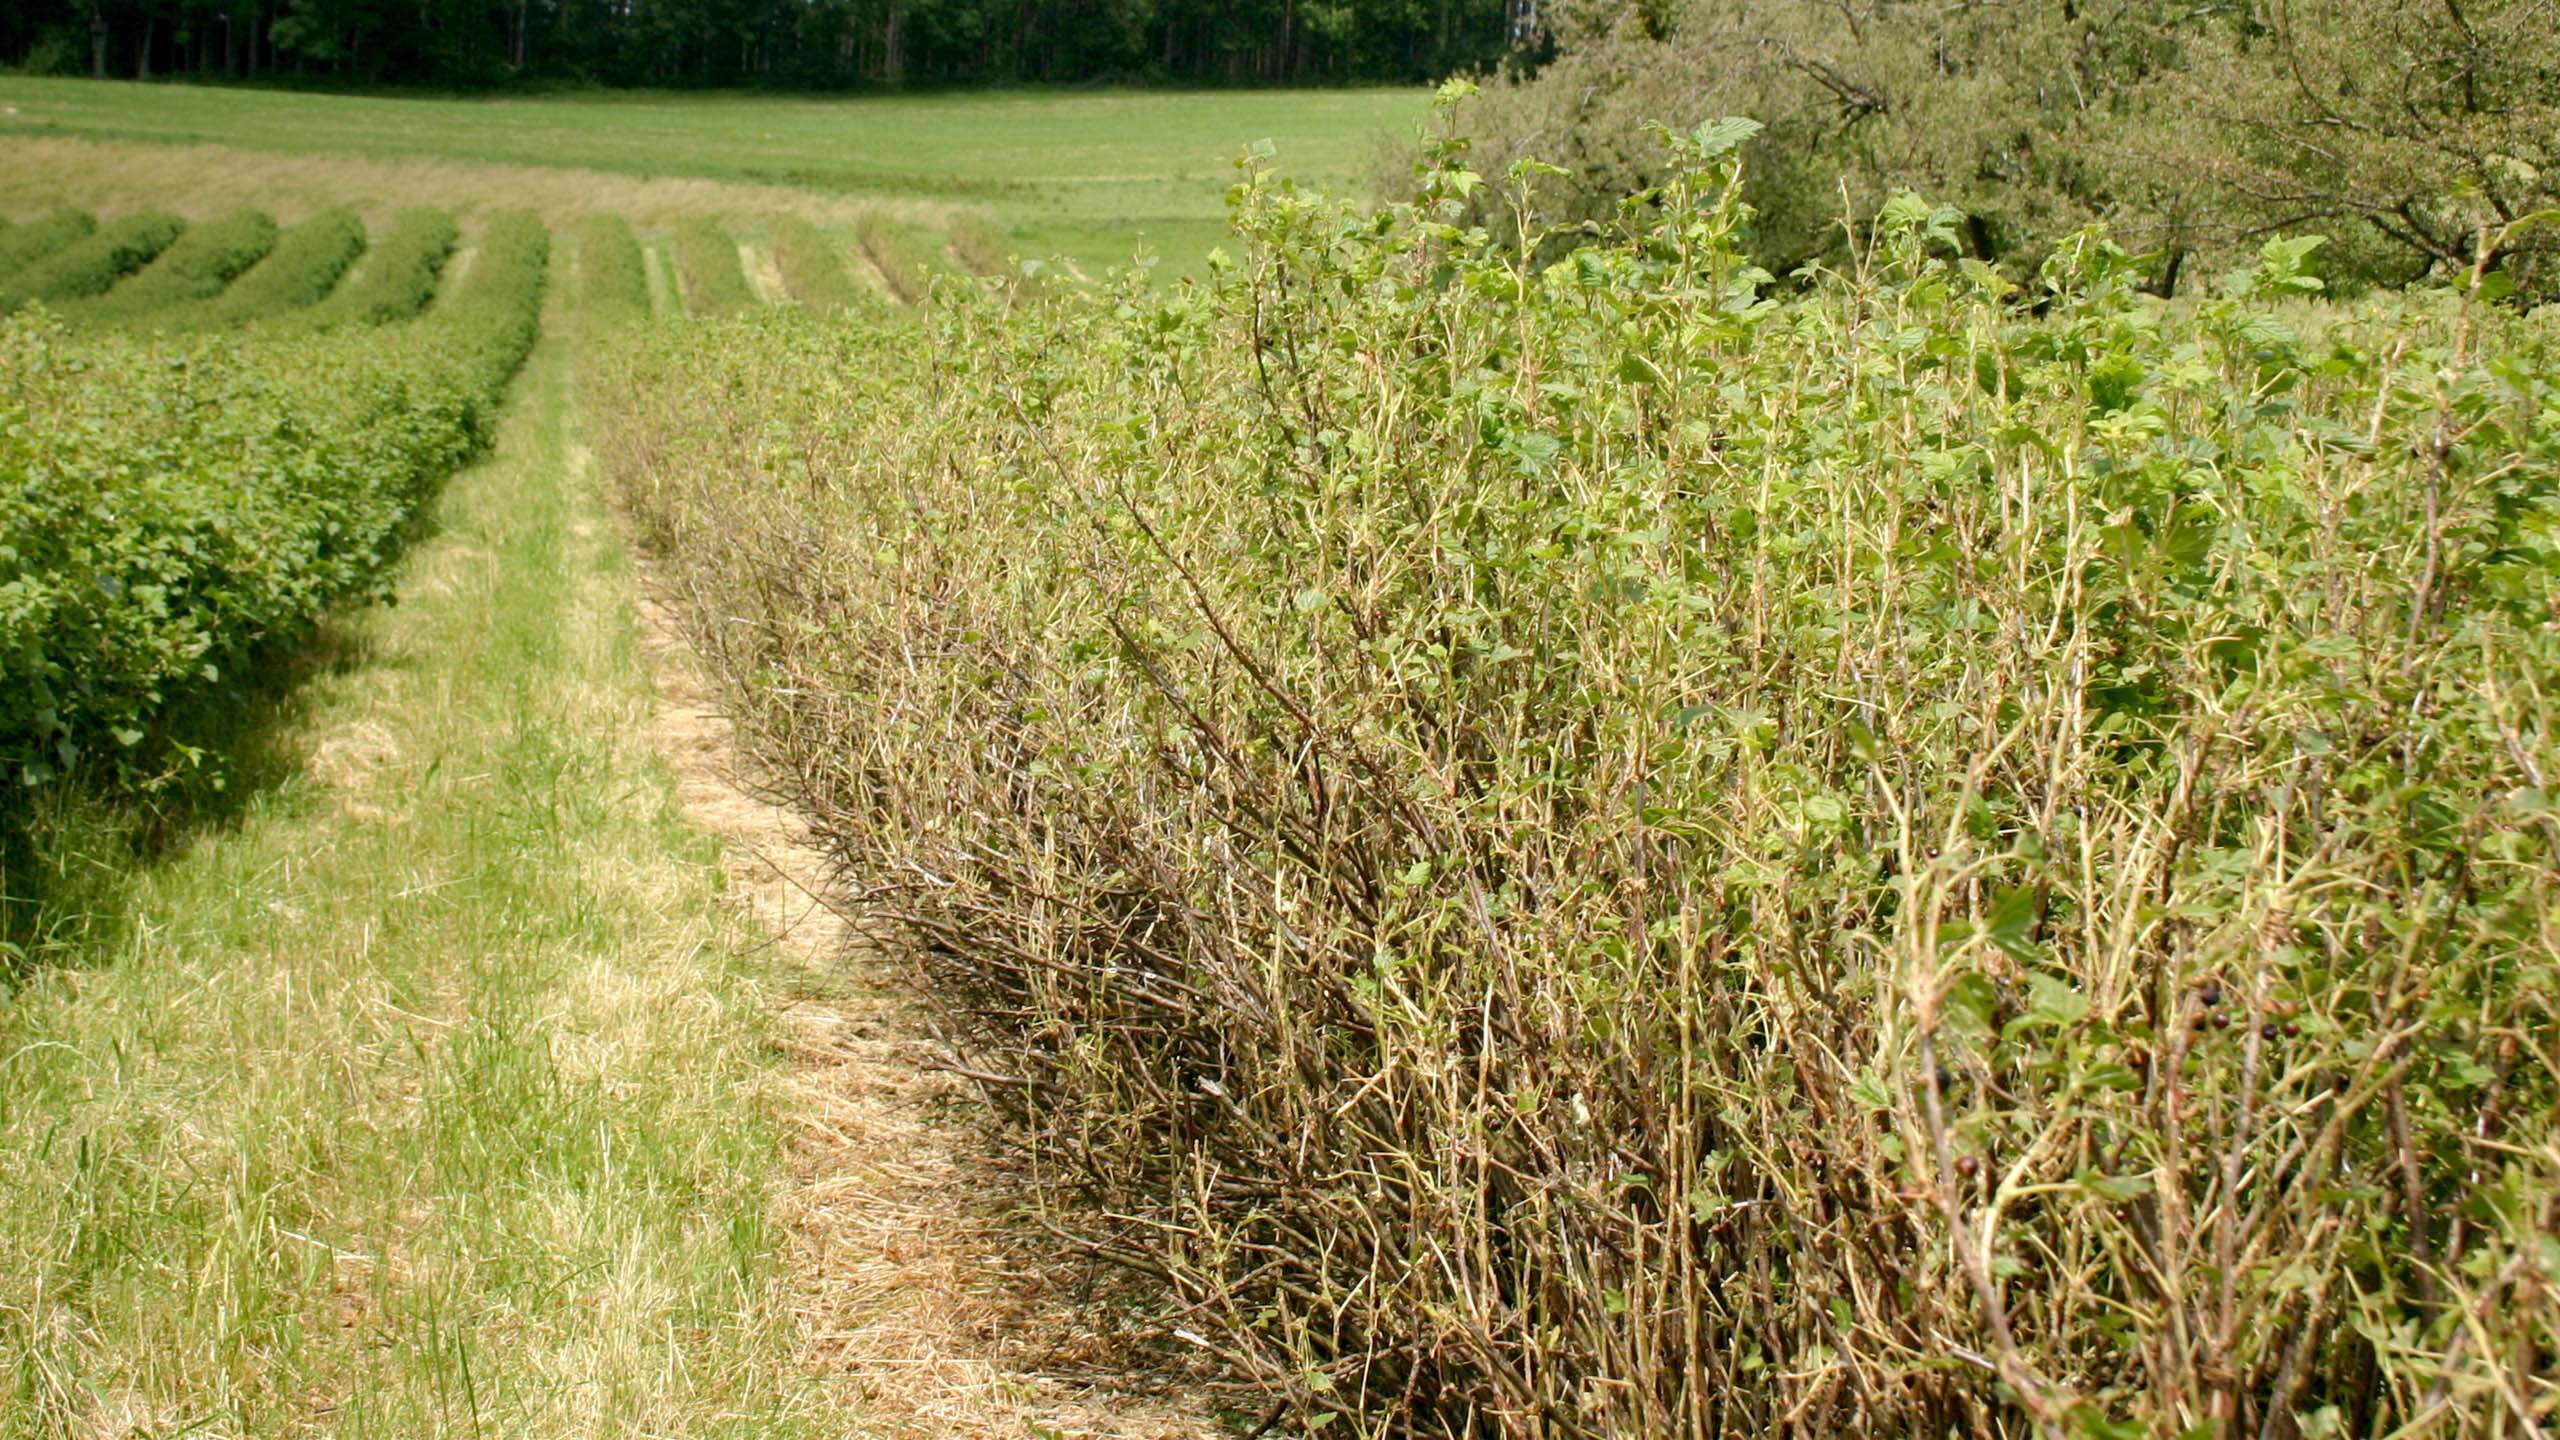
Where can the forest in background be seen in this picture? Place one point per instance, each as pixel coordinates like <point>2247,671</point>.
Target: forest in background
<point>818,43</point>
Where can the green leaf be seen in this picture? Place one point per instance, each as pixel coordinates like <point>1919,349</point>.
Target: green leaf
<point>2051,1001</point>
<point>1719,137</point>
<point>2012,922</point>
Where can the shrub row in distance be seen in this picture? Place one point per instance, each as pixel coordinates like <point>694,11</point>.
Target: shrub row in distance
<point>169,503</point>
<point>613,275</point>
<point>194,268</point>
<point>304,267</point>
<point>1914,856</point>
<point>707,259</point>
<point>811,269</point>
<point>398,277</point>
<point>34,239</point>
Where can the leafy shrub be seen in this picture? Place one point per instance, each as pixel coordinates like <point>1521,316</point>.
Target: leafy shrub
<point>905,262</point>
<point>167,505</point>
<point>1574,850</point>
<point>398,278</point>
<point>89,265</point>
<point>613,277</point>
<point>811,269</point>
<point>707,259</point>
<point>25,244</point>
<point>195,267</point>
<point>305,265</point>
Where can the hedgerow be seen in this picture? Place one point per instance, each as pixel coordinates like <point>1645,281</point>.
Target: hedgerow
<point>811,269</point>
<point>27,243</point>
<point>906,264</point>
<point>707,259</point>
<point>195,267</point>
<point>398,279</point>
<point>1579,850</point>
<point>89,265</point>
<point>305,265</point>
<point>167,506</point>
<point>613,277</point>
<point>980,246</point>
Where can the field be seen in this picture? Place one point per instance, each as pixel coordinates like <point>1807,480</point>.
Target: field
<point>1086,174</point>
<point>1413,834</point>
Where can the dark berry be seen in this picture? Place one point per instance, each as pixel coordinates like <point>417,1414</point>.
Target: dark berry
<point>2291,1030</point>
<point>2210,995</point>
<point>2270,1030</point>
<point>2221,1019</point>
<point>1967,1166</point>
<point>1946,1078</point>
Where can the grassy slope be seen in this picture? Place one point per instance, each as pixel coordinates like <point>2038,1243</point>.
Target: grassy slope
<point>426,1098</point>
<point>1086,173</point>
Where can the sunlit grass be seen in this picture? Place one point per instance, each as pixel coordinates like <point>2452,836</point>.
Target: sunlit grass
<point>425,1098</point>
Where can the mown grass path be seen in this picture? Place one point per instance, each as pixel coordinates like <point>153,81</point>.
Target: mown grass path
<point>431,1097</point>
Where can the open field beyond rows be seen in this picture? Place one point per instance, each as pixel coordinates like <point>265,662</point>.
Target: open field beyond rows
<point>1088,174</point>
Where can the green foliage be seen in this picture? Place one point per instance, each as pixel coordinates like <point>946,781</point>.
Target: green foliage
<point>90,265</point>
<point>195,267</point>
<point>398,278</point>
<point>980,246</point>
<point>27,243</point>
<point>707,260</point>
<point>1569,839</point>
<point>305,265</point>
<point>905,261</point>
<point>2194,130</point>
<point>613,276</point>
<point>811,269</point>
<point>168,506</point>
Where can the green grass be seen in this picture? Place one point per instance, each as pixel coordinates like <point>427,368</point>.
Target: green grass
<point>1089,174</point>
<point>423,1096</point>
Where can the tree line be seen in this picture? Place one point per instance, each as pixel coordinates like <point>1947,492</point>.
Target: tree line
<point>779,42</point>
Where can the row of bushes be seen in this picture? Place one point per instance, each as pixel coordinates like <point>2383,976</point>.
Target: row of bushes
<point>707,259</point>
<point>22,245</point>
<point>613,275</point>
<point>195,267</point>
<point>398,277</point>
<point>89,265</point>
<point>300,271</point>
<point>166,506</point>
<point>1574,850</point>
<point>900,253</point>
<point>811,269</point>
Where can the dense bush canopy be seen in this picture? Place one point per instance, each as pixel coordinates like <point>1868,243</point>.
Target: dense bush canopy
<point>2197,131</point>
<point>397,278</point>
<point>89,265</point>
<point>166,506</point>
<point>24,244</point>
<point>304,266</point>
<point>195,267</point>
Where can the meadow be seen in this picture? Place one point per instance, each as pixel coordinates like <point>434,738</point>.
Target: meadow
<point>1537,834</point>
